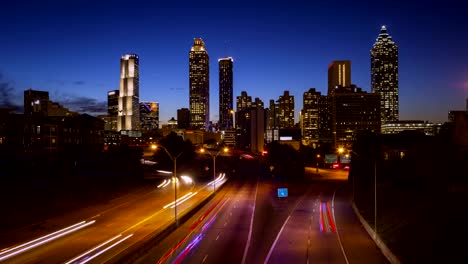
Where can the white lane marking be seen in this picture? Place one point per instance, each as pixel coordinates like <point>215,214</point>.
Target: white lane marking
<point>217,237</point>
<point>336,226</point>
<point>276,240</point>
<point>247,245</point>
<point>203,261</point>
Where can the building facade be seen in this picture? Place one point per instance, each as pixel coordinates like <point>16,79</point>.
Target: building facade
<point>339,74</point>
<point>149,116</point>
<point>129,115</point>
<point>395,127</point>
<point>36,102</point>
<point>183,118</point>
<point>353,111</point>
<point>286,110</point>
<point>384,75</point>
<point>199,86</point>
<point>226,107</point>
<point>112,110</point>
<point>310,116</point>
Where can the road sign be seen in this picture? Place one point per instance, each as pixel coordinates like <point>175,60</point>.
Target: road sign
<point>282,192</point>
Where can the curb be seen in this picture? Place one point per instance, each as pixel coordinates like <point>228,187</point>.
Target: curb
<point>378,241</point>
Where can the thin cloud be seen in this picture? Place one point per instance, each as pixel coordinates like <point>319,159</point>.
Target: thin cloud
<point>7,95</point>
<point>84,104</point>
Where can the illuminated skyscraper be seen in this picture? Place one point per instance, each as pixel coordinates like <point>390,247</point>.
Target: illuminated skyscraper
<point>129,112</point>
<point>149,116</point>
<point>384,75</point>
<point>199,75</point>
<point>339,74</point>
<point>226,110</point>
<point>286,110</point>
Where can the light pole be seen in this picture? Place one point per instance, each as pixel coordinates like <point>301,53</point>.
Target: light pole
<point>340,151</point>
<point>225,149</point>
<point>318,156</point>
<point>174,159</point>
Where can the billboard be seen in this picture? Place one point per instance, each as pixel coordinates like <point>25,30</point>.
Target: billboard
<point>331,158</point>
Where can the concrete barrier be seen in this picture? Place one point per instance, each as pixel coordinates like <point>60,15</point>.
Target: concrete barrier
<point>385,250</point>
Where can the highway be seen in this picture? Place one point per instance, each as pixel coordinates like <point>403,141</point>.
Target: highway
<point>314,224</point>
<point>101,233</point>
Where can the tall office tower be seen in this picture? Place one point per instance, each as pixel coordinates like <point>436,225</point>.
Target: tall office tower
<point>113,103</point>
<point>286,110</point>
<point>353,111</point>
<point>36,102</point>
<point>129,112</point>
<point>226,110</point>
<point>199,79</point>
<point>243,106</point>
<point>183,118</point>
<point>257,127</point>
<point>149,116</point>
<point>311,116</point>
<point>243,101</point>
<point>339,74</point>
<point>273,114</point>
<point>384,75</point>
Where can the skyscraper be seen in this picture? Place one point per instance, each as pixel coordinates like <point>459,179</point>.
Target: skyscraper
<point>339,74</point>
<point>129,112</point>
<point>353,111</point>
<point>310,121</point>
<point>113,103</point>
<point>226,110</point>
<point>149,116</point>
<point>384,75</point>
<point>286,110</point>
<point>183,118</point>
<point>199,82</point>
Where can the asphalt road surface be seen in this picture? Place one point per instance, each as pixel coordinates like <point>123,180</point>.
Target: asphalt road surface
<point>247,223</point>
<point>99,234</point>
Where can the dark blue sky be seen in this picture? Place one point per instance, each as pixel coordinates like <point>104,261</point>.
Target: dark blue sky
<point>72,49</point>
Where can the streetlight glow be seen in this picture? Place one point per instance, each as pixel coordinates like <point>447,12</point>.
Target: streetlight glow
<point>225,150</point>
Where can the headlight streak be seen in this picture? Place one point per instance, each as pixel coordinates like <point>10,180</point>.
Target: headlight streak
<point>94,248</point>
<point>107,248</point>
<point>217,180</point>
<point>162,184</point>
<point>180,200</point>
<point>42,240</point>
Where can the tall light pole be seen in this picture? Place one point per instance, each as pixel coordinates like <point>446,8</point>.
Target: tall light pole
<point>225,150</point>
<point>340,151</point>
<point>174,159</point>
<point>318,156</point>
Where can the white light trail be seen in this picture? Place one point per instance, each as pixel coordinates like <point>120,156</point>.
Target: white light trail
<point>42,240</point>
<point>94,248</point>
<point>107,248</point>
<point>162,184</point>
<point>180,200</point>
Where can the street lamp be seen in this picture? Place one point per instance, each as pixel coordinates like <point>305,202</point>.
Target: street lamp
<point>174,159</point>
<point>225,150</point>
<point>318,156</point>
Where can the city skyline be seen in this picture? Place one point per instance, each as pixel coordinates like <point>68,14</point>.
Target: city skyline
<point>81,52</point>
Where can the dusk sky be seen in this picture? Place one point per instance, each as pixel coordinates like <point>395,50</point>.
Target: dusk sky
<point>72,49</point>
